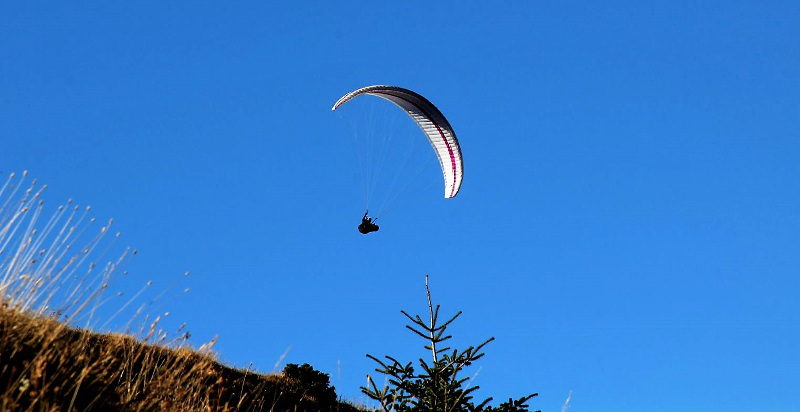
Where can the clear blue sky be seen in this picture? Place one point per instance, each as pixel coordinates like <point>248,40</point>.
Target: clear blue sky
<point>628,228</point>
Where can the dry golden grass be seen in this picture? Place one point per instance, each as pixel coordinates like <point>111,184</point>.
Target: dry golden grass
<point>54,274</point>
<point>47,366</point>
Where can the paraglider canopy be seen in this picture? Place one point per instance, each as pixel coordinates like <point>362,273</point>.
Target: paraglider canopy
<point>432,122</point>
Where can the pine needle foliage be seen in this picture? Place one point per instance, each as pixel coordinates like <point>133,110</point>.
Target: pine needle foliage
<point>438,386</point>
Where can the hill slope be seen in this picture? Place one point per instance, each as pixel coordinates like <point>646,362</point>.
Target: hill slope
<point>45,365</point>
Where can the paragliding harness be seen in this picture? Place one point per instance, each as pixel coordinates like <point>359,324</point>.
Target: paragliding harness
<point>367,224</point>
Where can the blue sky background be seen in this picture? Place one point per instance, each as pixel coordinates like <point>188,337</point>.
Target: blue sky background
<point>628,228</point>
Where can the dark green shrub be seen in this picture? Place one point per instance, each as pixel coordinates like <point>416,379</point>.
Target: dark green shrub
<point>310,384</point>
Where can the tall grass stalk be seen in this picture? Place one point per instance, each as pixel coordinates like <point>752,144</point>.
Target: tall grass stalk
<point>54,266</point>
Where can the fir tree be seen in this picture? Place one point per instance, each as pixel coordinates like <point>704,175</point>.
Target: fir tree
<point>438,386</point>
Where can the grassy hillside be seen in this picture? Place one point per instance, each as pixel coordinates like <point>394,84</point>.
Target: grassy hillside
<point>47,366</point>
<point>56,272</point>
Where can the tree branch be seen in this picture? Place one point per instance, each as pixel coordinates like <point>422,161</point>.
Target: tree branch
<point>430,307</point>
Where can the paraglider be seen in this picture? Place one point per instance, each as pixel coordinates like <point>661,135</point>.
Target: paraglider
<point>367,224</point>
<point>433,124</point>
